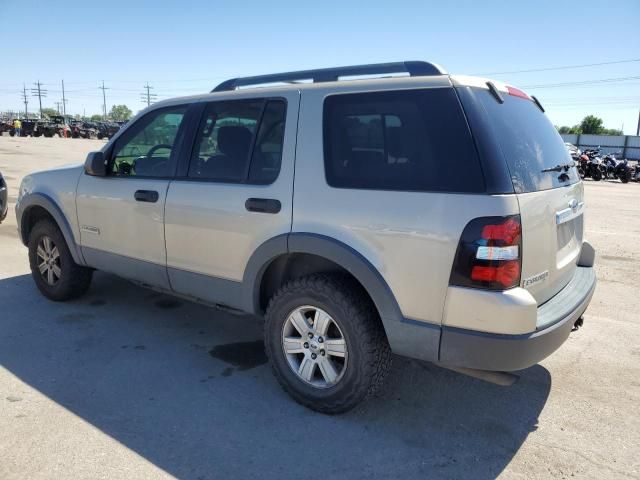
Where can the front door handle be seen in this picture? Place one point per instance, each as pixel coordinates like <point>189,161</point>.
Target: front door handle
<point>150,196</point>
<point>263,205</point>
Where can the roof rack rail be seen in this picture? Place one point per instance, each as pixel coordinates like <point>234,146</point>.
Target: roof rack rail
<point>413,68</point>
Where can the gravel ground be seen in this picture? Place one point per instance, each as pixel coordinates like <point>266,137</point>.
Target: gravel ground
<point>127,383</point>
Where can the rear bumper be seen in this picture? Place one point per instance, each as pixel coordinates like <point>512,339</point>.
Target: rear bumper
<point>491,351</point>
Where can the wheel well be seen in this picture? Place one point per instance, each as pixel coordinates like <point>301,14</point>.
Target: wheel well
<point>295,265</point>
<point>32,216</point>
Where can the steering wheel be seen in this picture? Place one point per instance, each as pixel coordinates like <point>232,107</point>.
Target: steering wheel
<point>155,148</point>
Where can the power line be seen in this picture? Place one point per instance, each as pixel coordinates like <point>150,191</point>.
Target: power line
<point>148,96</point>
<point>64,101</point>
<point>583,82</point>
<point>562,67</point>
<point>25,100</point>
<point>104,101</point>
<point>39,92</point>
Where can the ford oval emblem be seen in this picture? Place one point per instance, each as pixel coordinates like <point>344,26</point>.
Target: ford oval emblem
<point>573,204</point>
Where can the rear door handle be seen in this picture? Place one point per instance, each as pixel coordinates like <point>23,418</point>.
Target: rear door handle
<point>263,205</point>
<point>150,196</point>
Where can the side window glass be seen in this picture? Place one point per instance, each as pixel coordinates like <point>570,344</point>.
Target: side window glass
<point>224,141</point>
<point>146,150</point>
<point>409,140</point>
<point>267,153</point>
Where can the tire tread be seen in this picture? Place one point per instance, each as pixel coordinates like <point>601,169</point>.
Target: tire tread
<point>365,322</point>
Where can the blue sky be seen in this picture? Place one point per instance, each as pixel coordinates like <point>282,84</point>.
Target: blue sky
<point>185,47</point>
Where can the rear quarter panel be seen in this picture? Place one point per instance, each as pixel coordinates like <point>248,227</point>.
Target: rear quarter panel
<point>409,237</point>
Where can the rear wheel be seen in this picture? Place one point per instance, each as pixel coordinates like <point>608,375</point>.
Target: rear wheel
<point>625,176</point>
<point>596,174</point>
<point>326,343</point>
<point>55,273</point>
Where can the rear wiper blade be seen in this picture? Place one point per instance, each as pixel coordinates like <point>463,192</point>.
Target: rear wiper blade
<point>559,168</point>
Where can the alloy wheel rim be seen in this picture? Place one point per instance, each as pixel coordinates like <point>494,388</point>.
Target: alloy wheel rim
<point>48,257</point>
<point>314,346</point>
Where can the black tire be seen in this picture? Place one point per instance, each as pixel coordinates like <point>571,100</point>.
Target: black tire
<point>369,355</point>
<point>596,174</point>
<point>625,176</point>
<point>74,279</point>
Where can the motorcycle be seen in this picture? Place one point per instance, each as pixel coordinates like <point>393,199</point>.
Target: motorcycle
<point>614,168</point>
<point>636,173</point>
<point>591,165</point>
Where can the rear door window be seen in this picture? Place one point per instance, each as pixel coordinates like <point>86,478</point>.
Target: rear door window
<point>529,143</point>
<point>411,140</point>
<point>240,142</point>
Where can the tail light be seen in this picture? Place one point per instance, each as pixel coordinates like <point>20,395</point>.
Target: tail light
<point>489,254</point>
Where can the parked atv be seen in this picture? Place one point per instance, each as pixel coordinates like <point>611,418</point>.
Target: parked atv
<point>83,130</point>
<point>107,129</point>
<point>55,126</point>
<point>29,129</point>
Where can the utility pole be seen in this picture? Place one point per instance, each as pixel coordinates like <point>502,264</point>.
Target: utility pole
<point>64,101</point>
<point>58,104</point>
<point>104,101</point>
<point>39,92</point>
<point>638,129</point>
<point>25,100</point>
<point>148,97</point>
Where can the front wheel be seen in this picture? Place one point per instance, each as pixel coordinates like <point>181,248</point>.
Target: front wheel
<point>53,269</point>
<point>326,343</point>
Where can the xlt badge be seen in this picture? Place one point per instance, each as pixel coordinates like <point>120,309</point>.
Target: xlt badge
<point>90,229</point>
<point>540,277</point>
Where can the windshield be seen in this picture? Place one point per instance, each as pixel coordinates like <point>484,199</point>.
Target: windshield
<point>530,144</point>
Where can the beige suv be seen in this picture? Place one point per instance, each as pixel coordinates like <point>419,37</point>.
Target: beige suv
<point>361,210</point>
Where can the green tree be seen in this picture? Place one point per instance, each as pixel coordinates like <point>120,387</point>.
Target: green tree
<point>120,112</point>
<point>566,129</point>
<point>96,117</point>
<point>49,112</point>
<point>591,124</point>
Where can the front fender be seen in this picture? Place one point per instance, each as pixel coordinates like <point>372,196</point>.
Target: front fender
<point>36,199</point>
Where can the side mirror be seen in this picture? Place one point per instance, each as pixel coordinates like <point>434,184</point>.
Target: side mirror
<point>95,164</point>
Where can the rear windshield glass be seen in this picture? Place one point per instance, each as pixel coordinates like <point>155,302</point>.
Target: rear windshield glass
<point>411,140</point>
<point>529,143</point>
